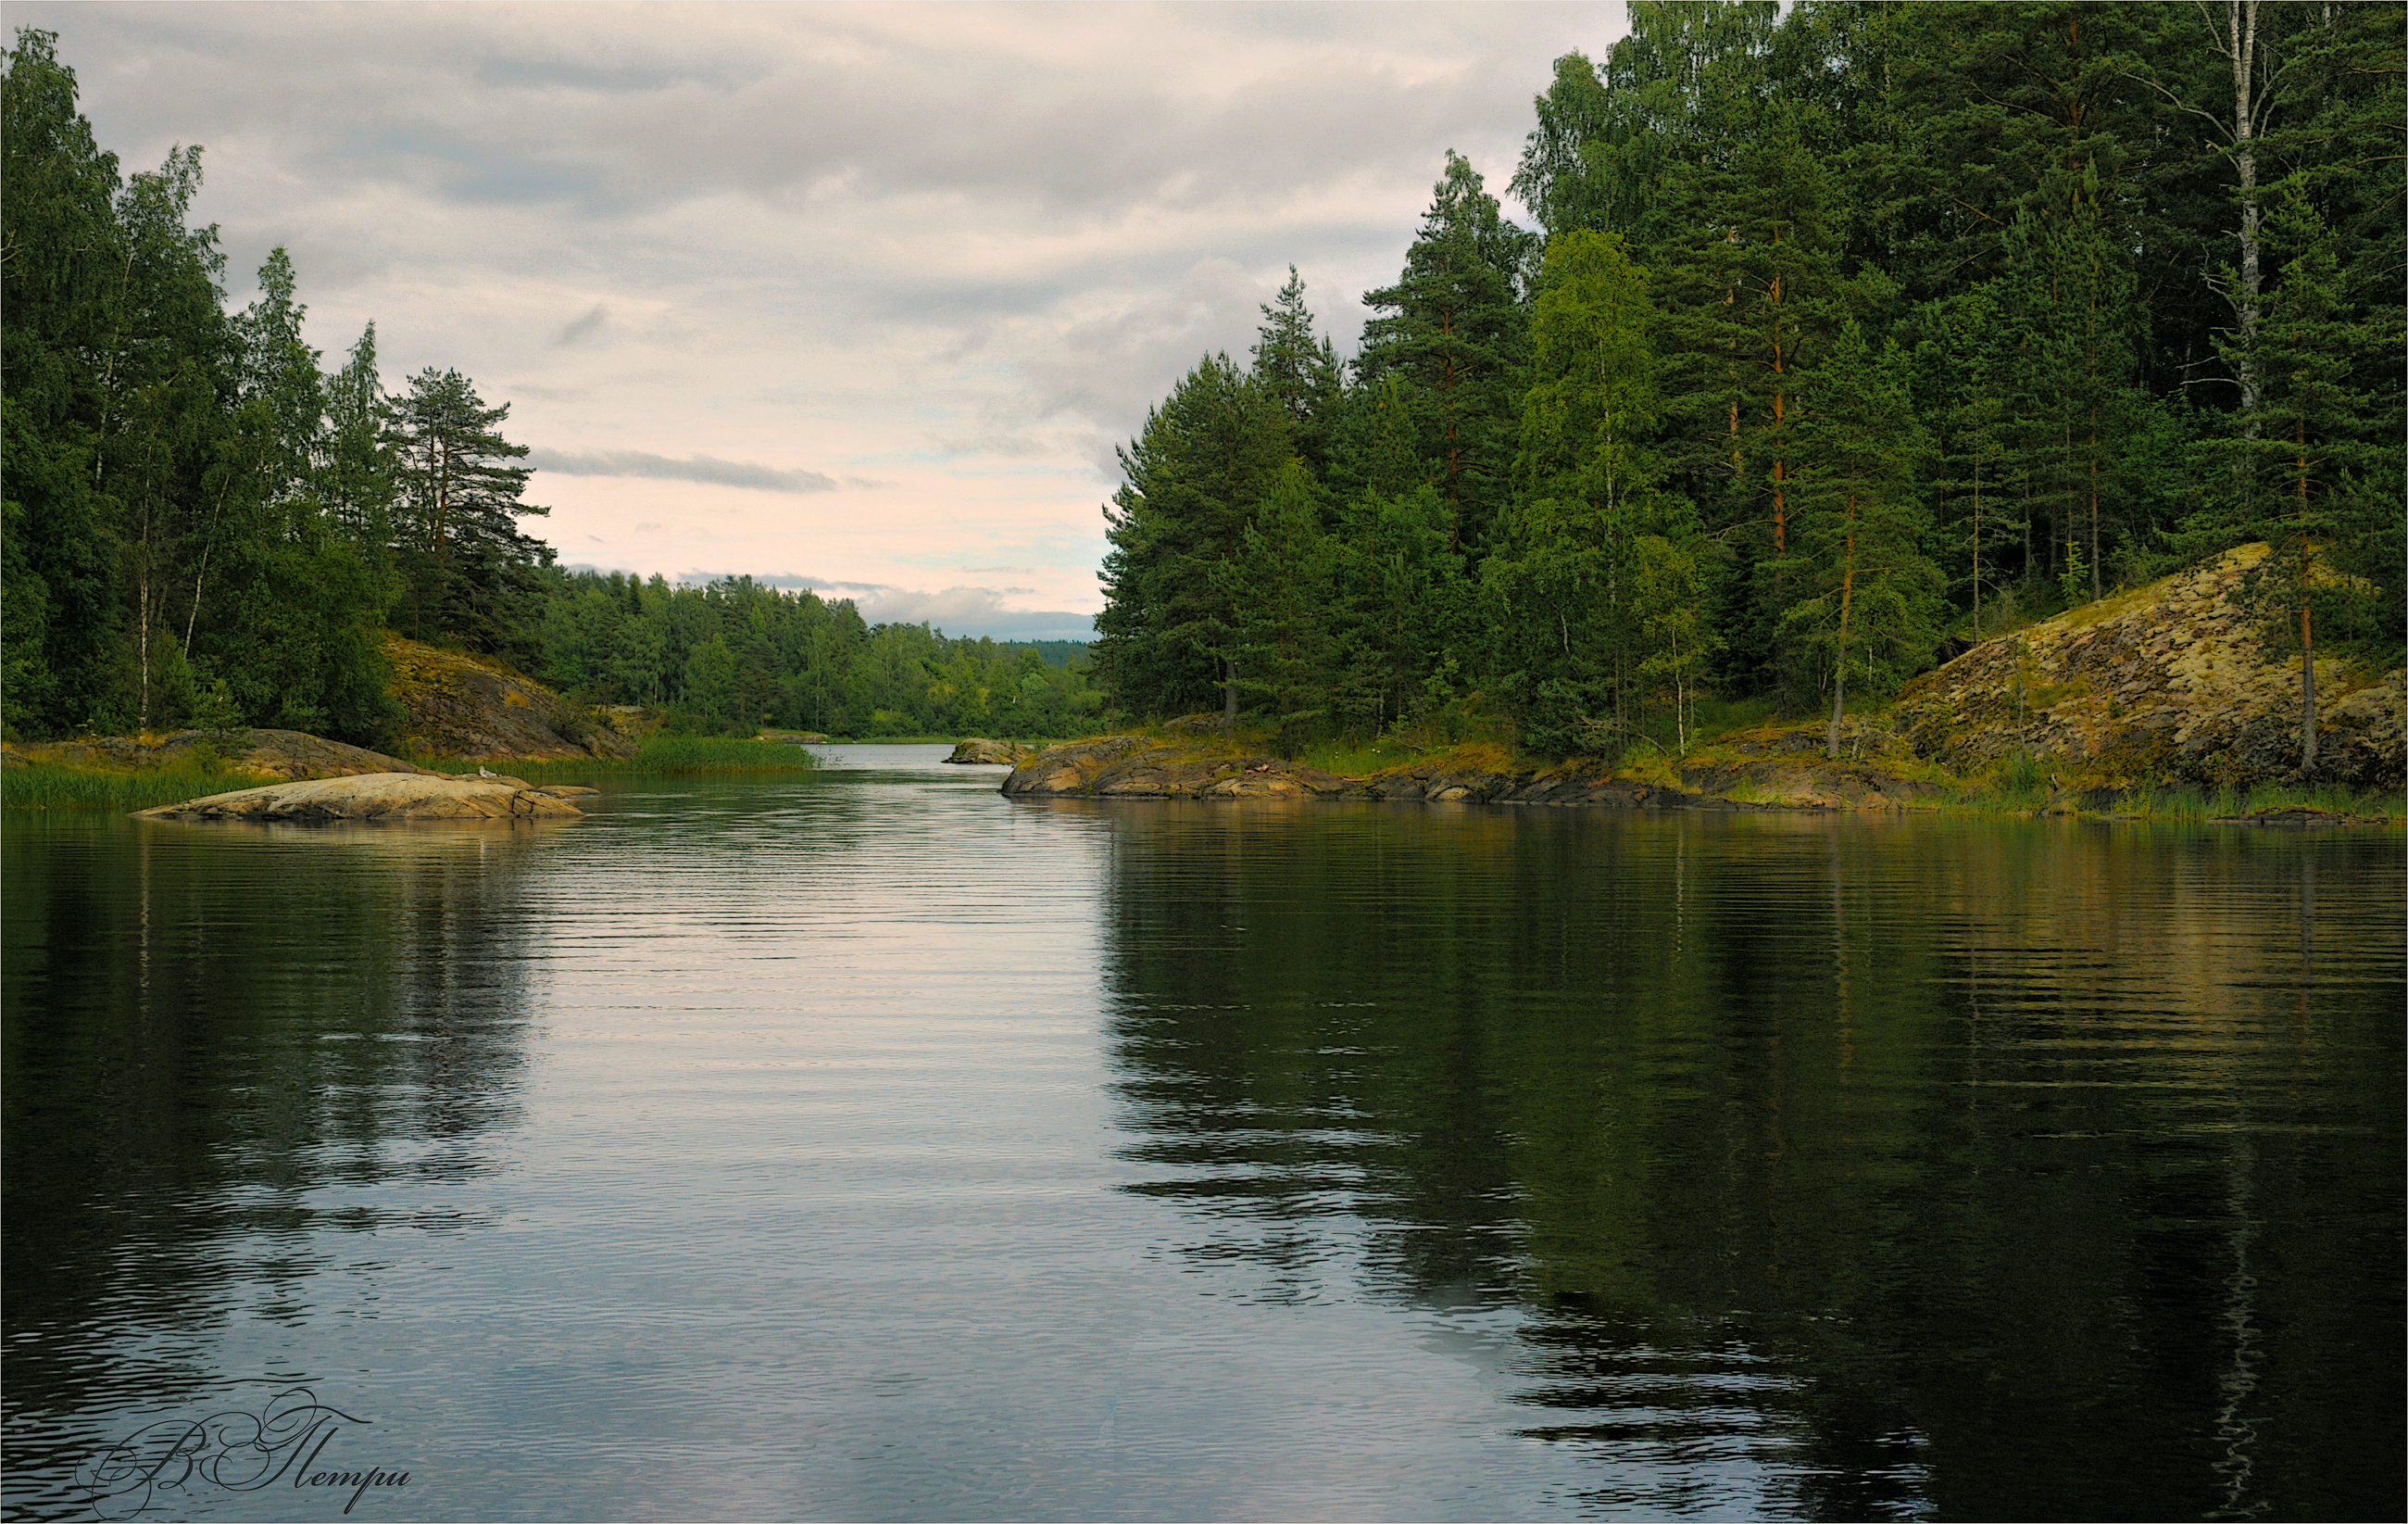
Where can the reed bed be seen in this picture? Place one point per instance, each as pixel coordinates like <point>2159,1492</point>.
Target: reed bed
<point>44,785</point>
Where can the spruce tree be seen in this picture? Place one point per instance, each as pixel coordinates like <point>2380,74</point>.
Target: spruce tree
<point>1278,586</point>
<point>1451,330</point>
<point>1168,638</point>
<point>1300,368</point>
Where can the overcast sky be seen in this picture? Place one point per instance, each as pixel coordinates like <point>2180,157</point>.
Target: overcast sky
<point>858,299</point>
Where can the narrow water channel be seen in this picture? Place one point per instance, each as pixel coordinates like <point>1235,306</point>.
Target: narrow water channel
<point>866,1145</point>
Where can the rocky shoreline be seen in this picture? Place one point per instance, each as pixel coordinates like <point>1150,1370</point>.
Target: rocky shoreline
<point>1172,768</point>
<point>2167,686</point>
<point>1147,767</point>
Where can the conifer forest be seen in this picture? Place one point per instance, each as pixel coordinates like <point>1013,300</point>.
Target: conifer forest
<point>1845,337</point>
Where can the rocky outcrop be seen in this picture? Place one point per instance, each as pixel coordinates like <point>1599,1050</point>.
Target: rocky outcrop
<point>978,750</point>
<point>377,796</point>
<point>270,753</point>
<point>460,705</point>
<point>2170,683</point>
<point>1160,768</point>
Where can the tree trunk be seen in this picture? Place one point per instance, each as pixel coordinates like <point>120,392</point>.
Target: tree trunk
<point>1780,421</point>
<point>1977,544</point>
<point>2242,17</point>
<point>142,640</point>
<point>1229,700</point>
<point>1838,698</point>
<point>2097,591</point>
<point>2307,691</point>
<point>2307,630</point>
<point>1839,673</point>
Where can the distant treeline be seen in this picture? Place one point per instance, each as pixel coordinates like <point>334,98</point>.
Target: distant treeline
<point>1853,334</point>
<point>204,525</point>
<point>737,654</point>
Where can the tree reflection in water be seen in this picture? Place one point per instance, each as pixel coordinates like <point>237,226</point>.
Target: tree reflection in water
<point>207,1073</point>
<point>1843,1168</point>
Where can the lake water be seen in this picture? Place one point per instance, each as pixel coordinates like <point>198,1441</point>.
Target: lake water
<point>866,1145</point>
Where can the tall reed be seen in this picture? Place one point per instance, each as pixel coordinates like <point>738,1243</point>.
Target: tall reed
<point>46,786</point>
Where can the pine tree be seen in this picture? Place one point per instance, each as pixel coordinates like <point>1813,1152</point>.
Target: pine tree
<point>1871,596</point>
<point>462,552</point>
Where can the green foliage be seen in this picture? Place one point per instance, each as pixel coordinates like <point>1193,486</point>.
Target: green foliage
<point>1596,600</point>
<point>1208,455</point>
<point>1451,332</point>
<point>166,528</point>
<point>1279,586</point>
<point>1856,326</point>
<point>1869,600</point>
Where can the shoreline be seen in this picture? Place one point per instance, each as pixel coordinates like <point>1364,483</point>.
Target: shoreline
<point>1137,766</point>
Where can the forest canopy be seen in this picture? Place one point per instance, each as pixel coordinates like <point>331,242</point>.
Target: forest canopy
<point>1848,336</point>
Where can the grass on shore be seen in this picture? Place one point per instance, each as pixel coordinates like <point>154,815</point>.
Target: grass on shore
<point>2177,803</point>
<point>47,785</point>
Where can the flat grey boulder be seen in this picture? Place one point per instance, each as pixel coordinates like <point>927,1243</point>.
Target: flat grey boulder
<point>376,796</point>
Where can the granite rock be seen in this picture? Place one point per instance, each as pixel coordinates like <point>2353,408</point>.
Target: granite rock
<point>376,797</point>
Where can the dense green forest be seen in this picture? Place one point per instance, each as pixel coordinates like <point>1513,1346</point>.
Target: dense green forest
<point>1850,336</point>
<point>203,524</point>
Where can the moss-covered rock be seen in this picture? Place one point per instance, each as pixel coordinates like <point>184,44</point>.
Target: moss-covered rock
<point>2170,682</point>
<point>462,705</point>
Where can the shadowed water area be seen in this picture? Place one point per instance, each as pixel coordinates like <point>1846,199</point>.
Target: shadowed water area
<point>866,1146</point>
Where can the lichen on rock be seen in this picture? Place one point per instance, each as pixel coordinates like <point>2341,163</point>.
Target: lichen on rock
<point>2170,682</point>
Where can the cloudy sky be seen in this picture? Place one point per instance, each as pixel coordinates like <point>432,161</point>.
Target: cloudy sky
<point>857,298</point>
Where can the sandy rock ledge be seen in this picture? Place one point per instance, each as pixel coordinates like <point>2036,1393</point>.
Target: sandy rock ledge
<point>377,796</point>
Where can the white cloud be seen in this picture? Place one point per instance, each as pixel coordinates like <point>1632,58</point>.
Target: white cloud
<point>637,463</point>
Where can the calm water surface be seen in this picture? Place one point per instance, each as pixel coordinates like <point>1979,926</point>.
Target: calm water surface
<point>866,1145</point>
